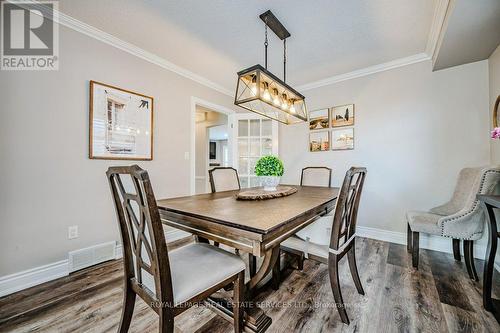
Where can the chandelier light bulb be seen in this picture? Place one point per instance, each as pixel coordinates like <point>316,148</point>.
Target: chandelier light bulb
<point>266,95</point>
<point>254,85</point>
<point>292,107</point>
<point>276,98</point>
<point>284,105</point>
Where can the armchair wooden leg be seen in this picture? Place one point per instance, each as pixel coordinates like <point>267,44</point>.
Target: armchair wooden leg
<point>239,291</point>
<point>456,249</point>
<point>469,259</point>
<point>333,270</point>
<point>415,248</point>
<point>127,309</point>
<point>408,238</point>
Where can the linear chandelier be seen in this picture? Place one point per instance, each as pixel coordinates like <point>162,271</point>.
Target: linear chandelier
<point>260,91</point>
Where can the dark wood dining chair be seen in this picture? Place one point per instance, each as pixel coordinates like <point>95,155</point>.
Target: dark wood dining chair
<point>168,281</point>
<point>224,179</point>
<point>342,240</point>
<point>310,176</point>
<point>316,176</point>
<point>227,179</point>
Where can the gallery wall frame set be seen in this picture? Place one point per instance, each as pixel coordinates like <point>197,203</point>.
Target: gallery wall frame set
<point>331,128</point>
<point>120,123</point>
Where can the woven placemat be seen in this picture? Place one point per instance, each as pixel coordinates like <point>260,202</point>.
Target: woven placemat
<point>260,194</point>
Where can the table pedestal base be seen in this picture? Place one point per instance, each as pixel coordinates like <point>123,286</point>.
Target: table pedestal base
<point>255,320</point>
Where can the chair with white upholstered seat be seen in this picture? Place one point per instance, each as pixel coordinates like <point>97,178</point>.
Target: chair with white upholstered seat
<point>224,179</point>
<point>168,281</point>
<point>320,230</point>
<point>462,218</point>
<point>342,237</point>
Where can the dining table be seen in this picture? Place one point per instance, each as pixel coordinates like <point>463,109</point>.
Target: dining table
<point>253,226</point>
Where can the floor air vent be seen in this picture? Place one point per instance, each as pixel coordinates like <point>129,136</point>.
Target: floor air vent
<point>90,256</point>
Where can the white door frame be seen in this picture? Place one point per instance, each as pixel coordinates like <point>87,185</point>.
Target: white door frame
<point>195,101</point>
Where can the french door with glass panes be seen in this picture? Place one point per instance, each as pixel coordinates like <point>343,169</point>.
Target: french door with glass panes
<point>255,136</point>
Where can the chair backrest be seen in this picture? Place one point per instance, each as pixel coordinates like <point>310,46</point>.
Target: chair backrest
<point>473,181</point>
<point>145,255</point>
<point>346,211</point>
<point>316,176</point>
<point>224,179</point>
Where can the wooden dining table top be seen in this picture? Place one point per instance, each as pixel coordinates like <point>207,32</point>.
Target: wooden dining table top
<point>259,216</point>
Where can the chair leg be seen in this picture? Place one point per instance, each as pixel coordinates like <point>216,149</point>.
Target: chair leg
<point>415,248</point>
<point>333,270</point>
<point>252,264</point>
<point>127,309</point>
<point>456,249</point>
<point>166,320</point>
<point>277,273</point>
<point>408,238</point>
<point>300,262</point>
<point>469,259</point>
<point>351,257</point>
<point>239,291</point>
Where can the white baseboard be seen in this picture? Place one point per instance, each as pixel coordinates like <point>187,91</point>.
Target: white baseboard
<point>429,242</point>
<point>38,275</point>
<point>22,280</point>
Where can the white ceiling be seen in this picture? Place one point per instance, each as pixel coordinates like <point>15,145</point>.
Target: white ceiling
<point>472,33</point>
<point>217,38</point>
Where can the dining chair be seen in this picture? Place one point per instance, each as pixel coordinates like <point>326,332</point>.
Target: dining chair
<point>462,218</point>
<point>318,231</point>
<point>168,281</point>
<point>227,179</point>
<point>342,238</point>
<point>224,179</point>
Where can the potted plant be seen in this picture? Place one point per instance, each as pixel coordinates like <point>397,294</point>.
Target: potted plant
<point>269,169</point>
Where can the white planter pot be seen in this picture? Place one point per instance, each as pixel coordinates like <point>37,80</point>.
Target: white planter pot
<point>270,182</point>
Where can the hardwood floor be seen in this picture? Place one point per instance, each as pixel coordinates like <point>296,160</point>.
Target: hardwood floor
<point>439,297</point>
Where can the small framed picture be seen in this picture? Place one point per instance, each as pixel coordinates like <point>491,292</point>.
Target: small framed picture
<point>120,124</point>
<point>319,141</point>
<point>343,139</point>
<point>319,119</point>
<point>343,115</point>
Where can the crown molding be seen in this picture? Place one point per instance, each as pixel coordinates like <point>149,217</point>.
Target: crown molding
<point>442,14</point>
<point>109,39</point>
<point>366,71</point>
<point>436,33</point>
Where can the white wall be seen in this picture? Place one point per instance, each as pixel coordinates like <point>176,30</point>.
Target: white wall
<point>414,130</point>
<point>47,182</point>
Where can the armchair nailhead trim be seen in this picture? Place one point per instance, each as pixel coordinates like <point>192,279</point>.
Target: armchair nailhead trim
<point>473,209</point>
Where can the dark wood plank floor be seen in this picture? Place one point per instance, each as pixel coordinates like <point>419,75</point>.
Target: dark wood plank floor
<point>438,298</point>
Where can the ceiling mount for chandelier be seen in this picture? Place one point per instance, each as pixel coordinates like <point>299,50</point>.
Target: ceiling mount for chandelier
<point>260,91</point>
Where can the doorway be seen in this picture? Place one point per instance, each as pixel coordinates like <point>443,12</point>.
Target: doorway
<point>212,143</point>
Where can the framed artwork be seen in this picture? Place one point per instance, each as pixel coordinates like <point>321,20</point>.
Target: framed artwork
<point>120,124</point>
<point>319,119</point>
<point>343,115</point>
<point>319,141</point>
<point>343,139</point>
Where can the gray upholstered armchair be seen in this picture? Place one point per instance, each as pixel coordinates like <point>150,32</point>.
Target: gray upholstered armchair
<point>462,218</point>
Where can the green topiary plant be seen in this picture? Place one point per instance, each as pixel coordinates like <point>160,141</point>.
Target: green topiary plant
<point>269,166</point>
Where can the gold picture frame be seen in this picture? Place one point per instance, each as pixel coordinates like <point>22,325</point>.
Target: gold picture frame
<point>319,119</point>
<point>117,131</point>
<point>496,121</point>
<point>342,115</point>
